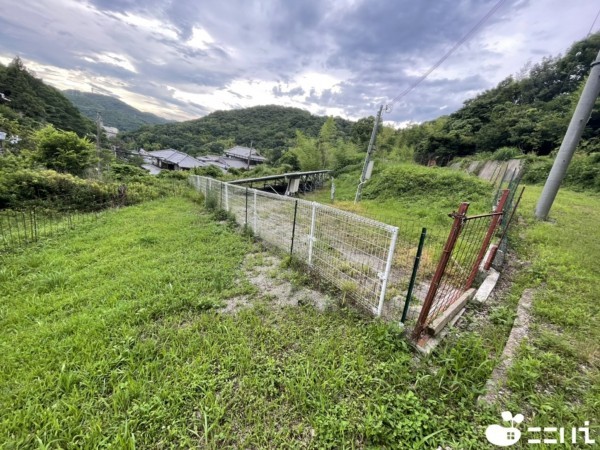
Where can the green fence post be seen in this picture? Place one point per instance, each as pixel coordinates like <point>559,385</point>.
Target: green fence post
<point>413,277</point>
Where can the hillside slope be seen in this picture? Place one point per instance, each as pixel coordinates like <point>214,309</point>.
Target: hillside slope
<point>268,128</point>
<point>35,100</point>
<point>115,113</point>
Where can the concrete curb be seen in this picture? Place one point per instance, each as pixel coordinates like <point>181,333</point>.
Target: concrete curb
<point>519,332</point>
<point>487,286</point>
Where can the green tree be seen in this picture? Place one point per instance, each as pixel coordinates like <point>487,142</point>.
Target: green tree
<point>306,151</point>
<point>64,151</point>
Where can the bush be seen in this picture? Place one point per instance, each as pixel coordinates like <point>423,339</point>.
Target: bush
<point>583,172</point>
<point>506,153</point>
<point>123,172</point>
<point>27,187</point>
<point>413,180</point>
<point>174,175</point>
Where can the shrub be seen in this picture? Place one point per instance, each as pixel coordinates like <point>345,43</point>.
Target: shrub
<point>123,172</point>
<point>583,172</point>
<point>412,180</point>
<point>506,153</point>
<point>26,187</point>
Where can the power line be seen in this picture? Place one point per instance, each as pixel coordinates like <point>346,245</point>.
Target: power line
<point>465,38</point>
<point>594,22</point>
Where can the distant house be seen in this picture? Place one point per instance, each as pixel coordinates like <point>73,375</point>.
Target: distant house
<point>111,132</point>
<point>170,159</point>
<point>243,157</point>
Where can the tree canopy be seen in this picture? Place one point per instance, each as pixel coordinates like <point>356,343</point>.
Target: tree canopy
<point>64,151</point>
<point>529,111</point>
<point>270,129</point>
<point>36,100</point>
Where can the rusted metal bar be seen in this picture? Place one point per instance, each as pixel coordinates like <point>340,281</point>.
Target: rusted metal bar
<point>459,218</point>
<point>479,216</point>
<point>494,249</point>
<point>487,238</point>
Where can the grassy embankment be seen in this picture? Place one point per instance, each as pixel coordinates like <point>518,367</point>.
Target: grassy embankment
<point>556,378</point>
<point>112,335</point>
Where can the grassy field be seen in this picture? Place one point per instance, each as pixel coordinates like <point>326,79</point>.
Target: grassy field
<point>556,377</point>
<point>112,336</point>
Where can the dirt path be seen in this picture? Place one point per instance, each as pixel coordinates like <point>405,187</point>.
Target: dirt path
<point>276,286</point>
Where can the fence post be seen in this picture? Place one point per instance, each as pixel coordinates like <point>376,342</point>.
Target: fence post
<point>2,230</point>
<point>488,237</point>
<point>494,248</point>
<point>311,237</point>
<point>413,277</point>
<point>294,227</point>
<point>226,197</point>
<point>388,268</point>
<point>457,225</point>
<point>246,221</point>
<point>221,196</point>
<point>255,215</point>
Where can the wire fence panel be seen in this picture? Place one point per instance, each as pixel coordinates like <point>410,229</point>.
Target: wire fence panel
<point>350,252</point>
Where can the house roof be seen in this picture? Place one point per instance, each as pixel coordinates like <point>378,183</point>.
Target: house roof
<point>245,153</point>
<point>152,169</point>
<point>235,163</point>
<point>176,157</point>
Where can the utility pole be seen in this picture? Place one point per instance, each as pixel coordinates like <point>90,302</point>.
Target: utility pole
<point>365,175</point>
<point>569,144</point>
<point>250,154</point>
<point>98,128</point>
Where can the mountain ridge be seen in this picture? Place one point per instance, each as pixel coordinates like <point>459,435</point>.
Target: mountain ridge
<point>115,112</point>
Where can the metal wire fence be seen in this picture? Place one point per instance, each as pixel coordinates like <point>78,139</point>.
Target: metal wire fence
<point>350,252</point>
<point>37,219</point>
<point>21,227</point>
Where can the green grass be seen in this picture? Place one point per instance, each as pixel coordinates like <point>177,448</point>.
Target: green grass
<point>556,377</point>
<point>111,336</point>
<point>394,196</point>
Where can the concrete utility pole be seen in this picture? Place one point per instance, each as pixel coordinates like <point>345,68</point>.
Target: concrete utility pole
<point>366,172</point>
<point>569,144</point>
<point>98,130</point>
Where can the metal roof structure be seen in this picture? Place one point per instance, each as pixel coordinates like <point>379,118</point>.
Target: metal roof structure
<point>176,157</point>
<point>245,153</point>
<point>282,176</point>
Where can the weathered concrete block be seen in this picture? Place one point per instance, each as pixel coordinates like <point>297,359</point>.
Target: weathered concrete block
<point>438,324</point>
<point>487,286</point>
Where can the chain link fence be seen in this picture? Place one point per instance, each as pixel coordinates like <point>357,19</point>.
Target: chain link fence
<point>352,253</point>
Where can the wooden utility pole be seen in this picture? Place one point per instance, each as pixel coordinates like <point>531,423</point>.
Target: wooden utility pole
<point>365,175</point>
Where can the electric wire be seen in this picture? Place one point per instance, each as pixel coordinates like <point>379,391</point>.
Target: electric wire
<point>594,22</point>
<point>464,39</point>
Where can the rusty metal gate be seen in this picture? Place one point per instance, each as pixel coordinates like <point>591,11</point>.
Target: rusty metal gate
<point>461,258</point>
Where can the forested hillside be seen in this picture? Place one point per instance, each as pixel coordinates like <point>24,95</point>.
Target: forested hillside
<point>115,113</point>
<point>529,111</point>
<point>271,129</point>
<point>30,97</point>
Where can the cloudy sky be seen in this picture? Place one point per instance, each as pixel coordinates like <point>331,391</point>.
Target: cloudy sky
<point>182,59</point>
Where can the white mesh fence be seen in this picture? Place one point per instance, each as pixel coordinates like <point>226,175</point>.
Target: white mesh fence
<point>351,252</point>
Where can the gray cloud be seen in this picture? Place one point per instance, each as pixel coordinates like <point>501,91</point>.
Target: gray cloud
<point>373,48</point>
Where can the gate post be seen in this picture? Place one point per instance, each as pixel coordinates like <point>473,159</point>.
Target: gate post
<point>254,214</point>
<point>457,226</point>
<point>388,268</point>
<point>488,237</point>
